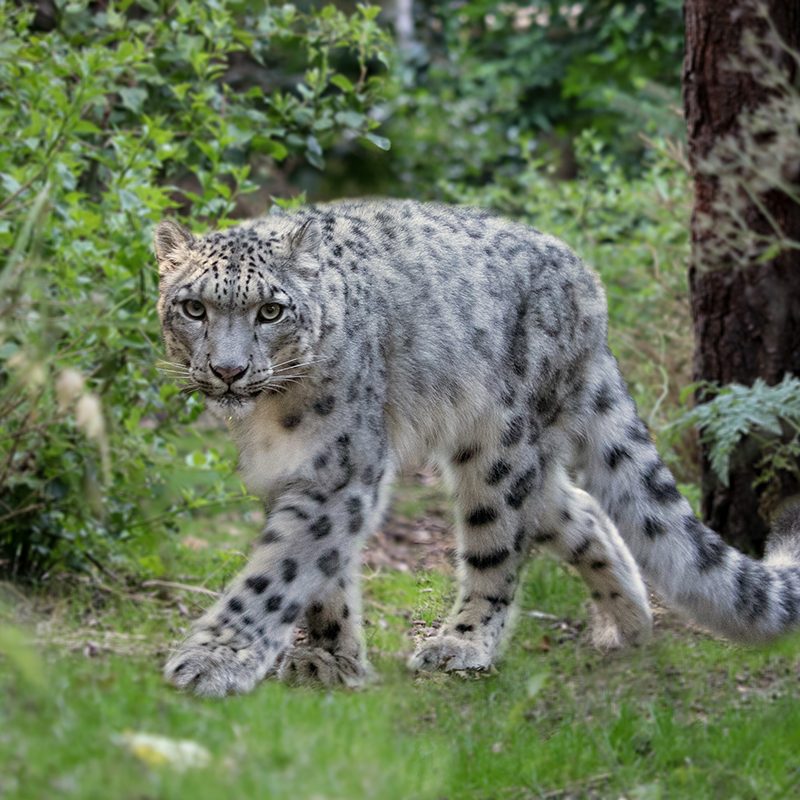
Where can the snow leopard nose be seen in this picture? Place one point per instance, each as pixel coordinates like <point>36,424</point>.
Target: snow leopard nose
<point>228,372</point>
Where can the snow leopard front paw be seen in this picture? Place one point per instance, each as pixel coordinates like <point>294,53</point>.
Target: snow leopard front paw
<point>214,663</point>
<point>304,666</point>
<point>451,653</point>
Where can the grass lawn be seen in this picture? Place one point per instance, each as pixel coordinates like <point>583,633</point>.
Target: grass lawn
<point>686,716</point>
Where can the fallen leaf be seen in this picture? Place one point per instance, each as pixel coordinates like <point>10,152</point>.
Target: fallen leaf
<point>160,751</point>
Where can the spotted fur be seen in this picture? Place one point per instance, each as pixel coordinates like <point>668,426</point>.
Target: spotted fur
<point>411,331</point>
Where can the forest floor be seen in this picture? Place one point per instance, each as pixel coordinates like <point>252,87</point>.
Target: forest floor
<point>685,716</point>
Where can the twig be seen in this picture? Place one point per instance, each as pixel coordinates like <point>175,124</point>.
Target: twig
<point>104,569</point>
<point>98,584</point>
<point>578,787</point>
<point>542,615</point>
<point>184,587</point>
<point>24,510</point>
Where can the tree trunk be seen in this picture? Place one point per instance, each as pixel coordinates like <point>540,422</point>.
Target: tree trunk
<point>746,310</point>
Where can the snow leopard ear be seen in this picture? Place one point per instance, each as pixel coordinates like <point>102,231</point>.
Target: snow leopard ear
<point>172,243</point>
<point>306,239</point>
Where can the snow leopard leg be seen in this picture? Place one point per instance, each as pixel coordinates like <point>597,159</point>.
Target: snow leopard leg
<point>311,541</point>
<point>491,488</point>
<point>580,532</point>
<point>334,653</point>
<point>501,510</point>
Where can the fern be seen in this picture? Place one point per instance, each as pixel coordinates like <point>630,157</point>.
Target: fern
<point>737,411</point>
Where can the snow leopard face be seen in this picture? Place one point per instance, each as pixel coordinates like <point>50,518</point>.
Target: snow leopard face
<point>237,316</point>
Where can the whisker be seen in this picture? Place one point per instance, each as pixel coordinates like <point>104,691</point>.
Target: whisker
<point>170,365</point>
<point>288,361</point>
<point>295,366</point>
<point>294,362</point>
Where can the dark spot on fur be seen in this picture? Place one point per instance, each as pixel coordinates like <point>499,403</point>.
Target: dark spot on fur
<point>486,560</point>
<point>289,569</point>
<point>497,472</point>
<point>513,432</point>
<point>545,406</point>
<point>325,405</point>
<point>663,490</point>
<point>710,548</point>
<point>653,528</point>
<point>298,512</point>
<point>580,551</point>
<point>752,583</point>
<point>521,488</point>
<point>331,630</point>
<point>465,454</point>
<point>274,602</point>
<point>481,516</point>
<point>235,605</point>
<point>321,527</point>
<point>291,421</point>
<point>788,597</point>
<point>517,355</point>
<point>616,454</point>
<point>638,432</point>
<point>270,536</point>
<point>354,507</point>
<point>603,399</point>
<point>257,583</point>
<point>496,600</point>
<point>461,628</point>
<point>328,563</point>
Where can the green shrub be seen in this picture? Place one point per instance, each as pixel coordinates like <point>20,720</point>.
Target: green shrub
<point>486,86</point>
<point>113,117</point>
<point>769,416</point>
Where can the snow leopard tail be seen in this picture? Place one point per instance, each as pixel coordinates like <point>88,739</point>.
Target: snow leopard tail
<point>686,562</point>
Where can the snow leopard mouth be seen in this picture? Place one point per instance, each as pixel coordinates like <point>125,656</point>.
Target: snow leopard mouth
<point>231,399</point>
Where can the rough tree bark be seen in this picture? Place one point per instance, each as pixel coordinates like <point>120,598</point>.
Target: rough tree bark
<point>746,315</point>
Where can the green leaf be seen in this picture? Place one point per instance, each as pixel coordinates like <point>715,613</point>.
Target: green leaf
<point>133,98</point>
<point>342,82</point>
<point>380,142</point>
<point>352,119</point>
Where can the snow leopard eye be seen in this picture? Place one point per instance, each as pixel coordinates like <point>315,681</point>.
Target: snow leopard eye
<point>269,312</point>
<point>194,309</point>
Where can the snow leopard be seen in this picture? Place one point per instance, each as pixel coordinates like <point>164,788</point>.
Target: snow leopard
<point>342,341</point>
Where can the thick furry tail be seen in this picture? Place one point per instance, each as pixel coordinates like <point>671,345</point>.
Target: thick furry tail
<point>684,561</point>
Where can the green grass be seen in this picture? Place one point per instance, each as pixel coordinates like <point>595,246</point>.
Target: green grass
<point>685,716</point>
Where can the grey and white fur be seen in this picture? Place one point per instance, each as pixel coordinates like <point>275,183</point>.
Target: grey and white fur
<point>344,340</point>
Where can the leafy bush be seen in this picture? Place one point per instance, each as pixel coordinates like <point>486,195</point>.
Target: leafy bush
<point>487,86</point>
<point>112,117</point>
<point>732,414</point>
